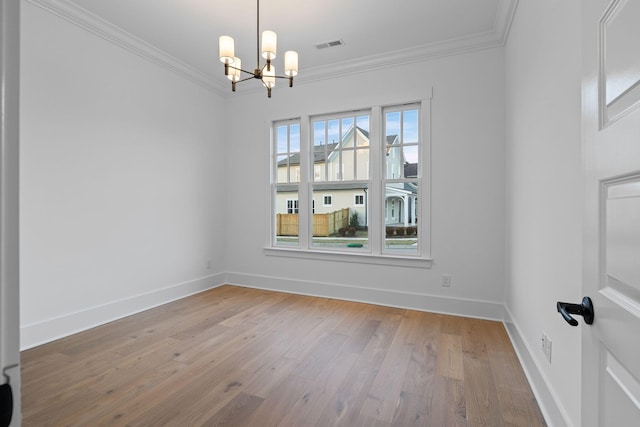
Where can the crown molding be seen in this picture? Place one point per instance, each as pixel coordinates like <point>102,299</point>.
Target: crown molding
<point>86,20</point>
<point>504,18</point>
<point>496,37</point>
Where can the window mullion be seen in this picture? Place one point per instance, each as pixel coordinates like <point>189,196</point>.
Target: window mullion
<point>376,145</point>
<point>304,199</point>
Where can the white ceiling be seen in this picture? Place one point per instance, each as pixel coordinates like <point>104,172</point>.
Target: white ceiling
<point>376,33</point>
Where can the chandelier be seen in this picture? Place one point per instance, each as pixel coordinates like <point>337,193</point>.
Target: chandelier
<point>265,73</point>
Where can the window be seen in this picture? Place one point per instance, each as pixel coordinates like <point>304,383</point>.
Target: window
<point>286,178</point>
<point>366,169</point>
<point>401,179</point>
<point>341,155</point>
<point>292,206</point>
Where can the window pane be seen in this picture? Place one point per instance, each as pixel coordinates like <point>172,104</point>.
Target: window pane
<point>282,163</point>
<point>347,132</point>
<point>348,165</point>
<point>363,124</point>
<point>287,147</point>
<point>333,127</point>
<point>286,221</point>
<point>401,217</point>
<point>392,125</point>
<point>409,126</point>
<point>319,137</point>
<point>393,162</point>
<point>343,224</point>
<point>362,164</point>
<point>319,172</point>
<point>410,161</point>
<point>294,172</point>
<point>294,138</point>
<point>281,136</point>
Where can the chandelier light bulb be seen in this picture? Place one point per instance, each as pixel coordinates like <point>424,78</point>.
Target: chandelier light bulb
<point>226,49</point>
<point>235,70</point>
<point>291,63</point>
<point>269,44</point>
<point>269,77</point>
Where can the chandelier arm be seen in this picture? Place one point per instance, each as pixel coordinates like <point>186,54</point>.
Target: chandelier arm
<point>244,71</point>
<point>245,79</point>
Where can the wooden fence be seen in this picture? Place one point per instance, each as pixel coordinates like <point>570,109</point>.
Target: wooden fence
<point>324,225</point>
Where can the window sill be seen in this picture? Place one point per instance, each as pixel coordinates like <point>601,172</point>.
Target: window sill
<point>353,257</point>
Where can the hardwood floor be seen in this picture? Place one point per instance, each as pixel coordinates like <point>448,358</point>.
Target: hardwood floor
<point>235,356</point>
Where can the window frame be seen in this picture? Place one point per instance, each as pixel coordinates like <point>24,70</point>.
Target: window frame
<point>375,209</point>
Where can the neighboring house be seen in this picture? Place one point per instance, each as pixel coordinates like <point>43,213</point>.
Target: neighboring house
<point>333,189</point>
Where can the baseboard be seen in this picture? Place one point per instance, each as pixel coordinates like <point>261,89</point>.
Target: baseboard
<point>48,330</point>
<point>385,297</point>
<point>546,397</point>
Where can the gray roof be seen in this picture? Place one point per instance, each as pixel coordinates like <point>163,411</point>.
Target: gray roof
<point>410,170</point>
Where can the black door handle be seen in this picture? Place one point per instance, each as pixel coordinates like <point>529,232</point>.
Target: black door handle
<point>585,310</point>
<point>6,399</point>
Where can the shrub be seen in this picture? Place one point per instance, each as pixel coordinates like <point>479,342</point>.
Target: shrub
<point>342,231</point>
<point>389,231</point>
<point>354,220</point>
<point>351,231</point>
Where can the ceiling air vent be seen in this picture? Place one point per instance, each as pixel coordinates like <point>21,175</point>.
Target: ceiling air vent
<point>333,43</point>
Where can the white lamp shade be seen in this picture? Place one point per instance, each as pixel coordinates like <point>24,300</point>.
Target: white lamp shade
<point>269,77</point>
<point>226,49</point>
<point>269,44</point>
<point>291,63</point>
<point>234,70</point>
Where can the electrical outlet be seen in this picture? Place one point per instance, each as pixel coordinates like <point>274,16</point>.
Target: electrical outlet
<point>545,346</point>
<point>446,280</point>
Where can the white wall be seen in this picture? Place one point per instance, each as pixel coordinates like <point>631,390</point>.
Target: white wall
<point>544,196</point>
<point>122,205</point>
<point>467,186</point>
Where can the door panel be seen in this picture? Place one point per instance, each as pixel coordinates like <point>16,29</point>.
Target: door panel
<point>611,232</point>
<point>620,394</point>
<point>619,59</point>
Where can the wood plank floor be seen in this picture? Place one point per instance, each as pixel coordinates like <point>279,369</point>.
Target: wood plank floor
<point>235,356</point>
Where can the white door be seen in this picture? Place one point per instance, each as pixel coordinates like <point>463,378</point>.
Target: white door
<point>611,235</point>
<point>9,299</point>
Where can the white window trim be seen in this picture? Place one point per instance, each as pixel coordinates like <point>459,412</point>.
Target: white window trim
<point>324,196</point>
<point>355,200</point>
<point>349,256</point>
<point>305,250</point>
